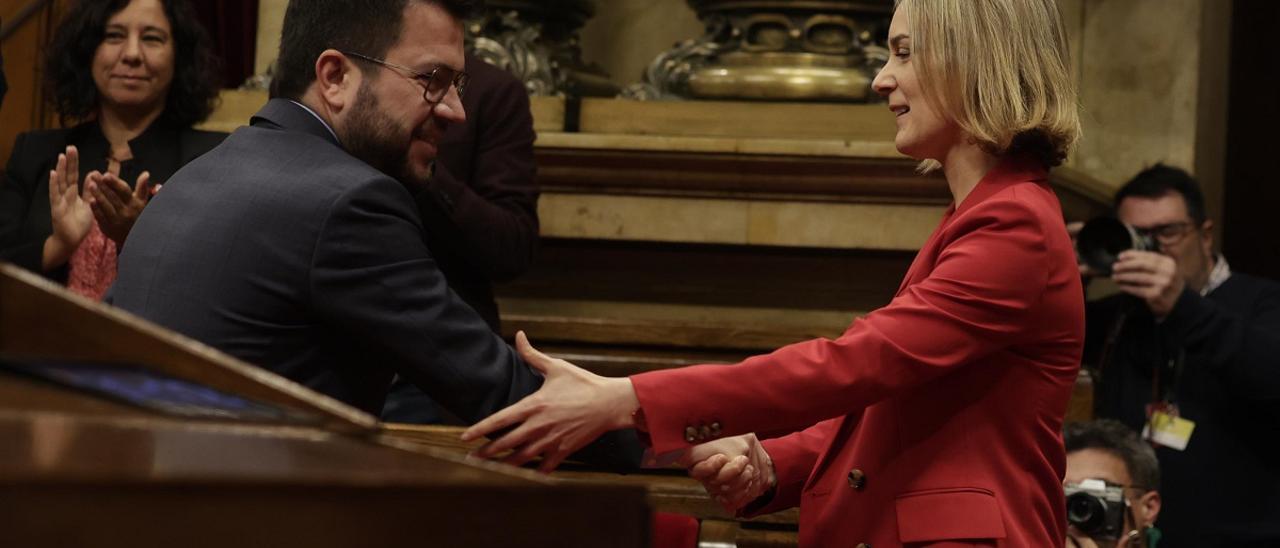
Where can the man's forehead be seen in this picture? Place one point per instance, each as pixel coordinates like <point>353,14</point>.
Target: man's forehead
<point>429,37</point>
<point>1096,464</point>
<point>1170,204</point>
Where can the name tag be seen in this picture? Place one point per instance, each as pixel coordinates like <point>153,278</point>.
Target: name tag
<point>1168,430</point>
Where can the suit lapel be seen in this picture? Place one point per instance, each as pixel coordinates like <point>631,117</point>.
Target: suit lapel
<point>922,265</point>
<point>1009,170</point>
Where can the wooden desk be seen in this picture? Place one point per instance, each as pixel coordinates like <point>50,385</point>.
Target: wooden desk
<point>78,469</point>
<point>669,490</point>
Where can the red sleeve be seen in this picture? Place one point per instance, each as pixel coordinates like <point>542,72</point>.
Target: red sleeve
<point>991,271</point>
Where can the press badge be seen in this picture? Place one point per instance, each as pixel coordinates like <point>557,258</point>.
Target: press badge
<point>1168,430</point>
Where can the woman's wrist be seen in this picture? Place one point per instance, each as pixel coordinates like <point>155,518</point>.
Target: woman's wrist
<point>54,254</point>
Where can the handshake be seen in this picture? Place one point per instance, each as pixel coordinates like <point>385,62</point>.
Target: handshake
<point>735,471</point>
<point>575,406</point>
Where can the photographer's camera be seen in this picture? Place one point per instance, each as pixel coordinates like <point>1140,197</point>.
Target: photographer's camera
<point>1095,508</point>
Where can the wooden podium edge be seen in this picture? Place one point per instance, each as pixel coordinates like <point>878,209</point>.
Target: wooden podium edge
<point>34,312</point>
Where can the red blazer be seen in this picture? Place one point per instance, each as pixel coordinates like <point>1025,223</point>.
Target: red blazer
<point>938,417</point>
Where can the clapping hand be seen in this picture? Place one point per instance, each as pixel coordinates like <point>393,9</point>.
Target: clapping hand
<point>114,205</point>
<point>69,212</point>
<point>734,471</point>
<point>573,407</point>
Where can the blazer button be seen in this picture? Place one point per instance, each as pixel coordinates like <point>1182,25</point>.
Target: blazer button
<point>862,545</point>
<point>715,429</point>
<point>690,434</point>
<point>857,479</point>
<point>704,433</point>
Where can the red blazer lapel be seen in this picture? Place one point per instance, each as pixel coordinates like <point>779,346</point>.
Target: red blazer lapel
<point>1011,170</point>
<point>922,265</point>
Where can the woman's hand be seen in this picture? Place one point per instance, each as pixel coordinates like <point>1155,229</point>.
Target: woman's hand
<point>573,407</point>
<point>114,205</point>
<point>69,212</point>
<point>734,471</point>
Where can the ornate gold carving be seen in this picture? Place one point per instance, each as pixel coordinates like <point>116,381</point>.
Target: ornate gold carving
<point>538,42</point>
<point>811,50</point>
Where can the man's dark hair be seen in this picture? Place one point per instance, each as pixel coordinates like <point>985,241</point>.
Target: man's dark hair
<point>68,76</point>
<point>312,26</point>
<point>1120,440</point>
<point>1160,180</point>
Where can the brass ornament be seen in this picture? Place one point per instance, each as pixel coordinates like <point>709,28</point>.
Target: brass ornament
<point>775,50</point>
<point>538,41</point>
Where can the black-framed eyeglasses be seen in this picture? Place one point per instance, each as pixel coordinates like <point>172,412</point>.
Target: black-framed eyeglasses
<point>1167,233</point>
<point>435,85</point>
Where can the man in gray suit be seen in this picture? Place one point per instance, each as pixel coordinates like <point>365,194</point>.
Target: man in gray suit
<point>296,244</point>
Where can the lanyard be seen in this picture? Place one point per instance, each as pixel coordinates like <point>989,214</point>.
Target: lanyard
<point>1166,398</point>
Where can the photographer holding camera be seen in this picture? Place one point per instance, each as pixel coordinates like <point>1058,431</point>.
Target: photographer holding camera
<point>1189,354</point>
<point>1111,486</point>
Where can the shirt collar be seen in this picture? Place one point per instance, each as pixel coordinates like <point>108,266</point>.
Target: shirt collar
<point>1221,271</point>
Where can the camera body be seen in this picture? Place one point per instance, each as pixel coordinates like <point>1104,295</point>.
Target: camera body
<point>1103,238</point>
<point>1096,509</point>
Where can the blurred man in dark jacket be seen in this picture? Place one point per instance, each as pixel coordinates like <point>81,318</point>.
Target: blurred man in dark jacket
<point>1189,354</point>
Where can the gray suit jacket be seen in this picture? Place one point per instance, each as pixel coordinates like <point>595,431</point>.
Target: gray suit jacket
<point>282,250</point>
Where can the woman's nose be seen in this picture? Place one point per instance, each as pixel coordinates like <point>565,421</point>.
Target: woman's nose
<point>132,50</point>
<point>884,82</point>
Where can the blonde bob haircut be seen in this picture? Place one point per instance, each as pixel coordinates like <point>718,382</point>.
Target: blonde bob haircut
<point>999,69</point>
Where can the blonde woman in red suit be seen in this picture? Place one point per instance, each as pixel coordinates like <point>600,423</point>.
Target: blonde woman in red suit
<point>934,421</point>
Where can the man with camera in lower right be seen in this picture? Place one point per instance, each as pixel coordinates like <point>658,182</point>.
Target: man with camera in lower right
<point>1188,354</point>
<point>1112,486</point>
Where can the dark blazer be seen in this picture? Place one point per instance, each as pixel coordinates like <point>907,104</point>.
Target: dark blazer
<point>24,192</point>
<point>281,249</point>
<point>941,412</point>
<point>481,207</point>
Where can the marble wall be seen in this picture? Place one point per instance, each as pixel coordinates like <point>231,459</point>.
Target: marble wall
<point>1151,72</point>
<point>626,35</point>
<point>623,36</point>
<point>1152,76</point>
<point>1146,91</point>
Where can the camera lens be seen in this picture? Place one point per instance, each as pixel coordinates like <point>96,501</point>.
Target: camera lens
<point>1086,512</point>
<point>1101,241</point>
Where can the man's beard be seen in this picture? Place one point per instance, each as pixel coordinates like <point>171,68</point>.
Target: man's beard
<point>374,137</point>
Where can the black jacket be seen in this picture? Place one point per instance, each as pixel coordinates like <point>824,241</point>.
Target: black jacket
<point>1224,489</point>
<point>24,193</point>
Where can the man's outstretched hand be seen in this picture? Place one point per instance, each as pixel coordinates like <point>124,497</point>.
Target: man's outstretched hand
<point>573,408</point>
